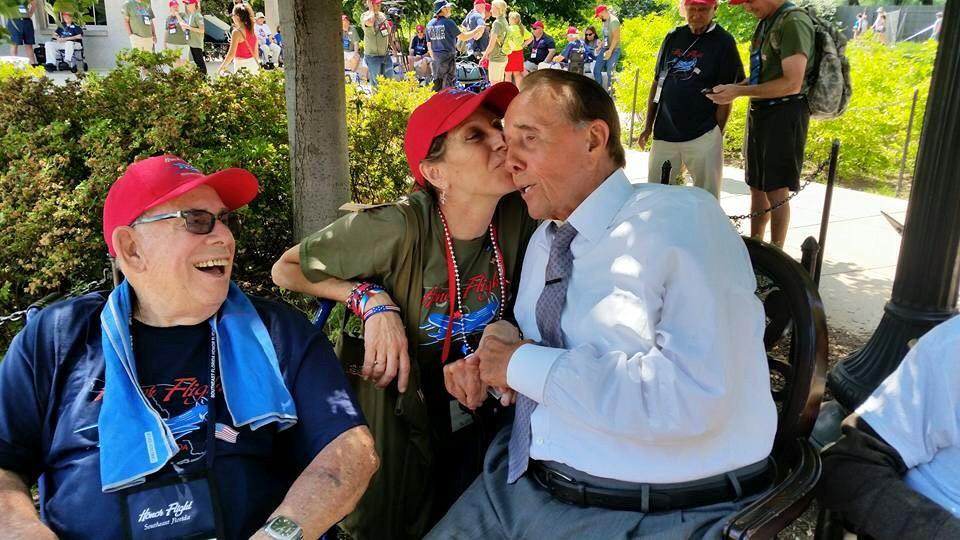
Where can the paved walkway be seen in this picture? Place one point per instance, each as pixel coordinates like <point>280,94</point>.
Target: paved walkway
<point>861,250</point>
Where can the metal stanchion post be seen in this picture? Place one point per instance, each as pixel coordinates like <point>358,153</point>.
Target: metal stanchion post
<point>633,110</point>
<point>827,200</point>
<point>906,143</point>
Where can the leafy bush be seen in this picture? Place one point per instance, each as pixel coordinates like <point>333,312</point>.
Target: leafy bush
<point>61,147</point>
<point>871,132</point>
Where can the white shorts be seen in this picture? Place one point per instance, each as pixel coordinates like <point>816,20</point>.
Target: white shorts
<point>250,64</point>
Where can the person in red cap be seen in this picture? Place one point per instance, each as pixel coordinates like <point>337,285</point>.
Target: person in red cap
<point>475,19</point>
<point>781,60</point>
<point>687,127</point>
<point>377,32</point>
<point>192,24</point>
<point>575,47</point>
<point>542,48</point>
<point>642,361</point>
<point>609,53</point>
<point>175,36</point>
<point>427,274</point>
<point>418,58</point>
<point>155,410</point>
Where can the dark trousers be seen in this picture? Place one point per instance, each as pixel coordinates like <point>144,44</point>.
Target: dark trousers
<point>444,70</point>
<point>197,54</point>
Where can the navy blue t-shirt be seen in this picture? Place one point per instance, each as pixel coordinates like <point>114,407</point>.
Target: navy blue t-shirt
<point>419,45</point>
<point>693,63</point>
<point>442,33</point>
<point>473,21</point>
<point>540,48</point>
<point>51,383</point>
<point>69,30</point>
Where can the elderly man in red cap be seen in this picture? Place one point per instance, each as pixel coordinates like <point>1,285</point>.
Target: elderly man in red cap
<point>542,48</point>
<point>176,406</point>
<point>687,127</point>
<point>781,59</point>
<point>609,52</point>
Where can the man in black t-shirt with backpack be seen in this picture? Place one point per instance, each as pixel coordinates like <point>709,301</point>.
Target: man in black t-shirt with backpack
<point>687,127</point>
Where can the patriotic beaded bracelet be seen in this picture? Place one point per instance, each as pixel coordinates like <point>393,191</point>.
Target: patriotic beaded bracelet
<point>379,309</point>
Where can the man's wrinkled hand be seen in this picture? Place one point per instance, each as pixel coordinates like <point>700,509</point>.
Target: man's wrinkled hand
<point>494,355</point>
<point>462,380</point>
<point>502,330</point>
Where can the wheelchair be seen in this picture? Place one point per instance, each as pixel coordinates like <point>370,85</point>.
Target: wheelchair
<point>60,63</point>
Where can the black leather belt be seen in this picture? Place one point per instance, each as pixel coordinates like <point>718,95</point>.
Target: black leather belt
<point>764,103</point>
<point>578,488</point>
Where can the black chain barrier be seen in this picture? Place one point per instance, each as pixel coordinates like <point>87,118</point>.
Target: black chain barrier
<point>810,178</point>
<point>79,290</point>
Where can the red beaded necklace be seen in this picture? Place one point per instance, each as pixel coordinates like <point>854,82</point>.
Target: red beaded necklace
<point>453,279</point>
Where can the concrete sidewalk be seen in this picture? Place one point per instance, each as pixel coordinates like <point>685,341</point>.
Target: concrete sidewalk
<point>860,253</point>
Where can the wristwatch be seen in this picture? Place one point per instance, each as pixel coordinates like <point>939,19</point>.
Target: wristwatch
<point>283,528</point>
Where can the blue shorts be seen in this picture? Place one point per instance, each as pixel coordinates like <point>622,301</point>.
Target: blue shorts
<point>21,31</point>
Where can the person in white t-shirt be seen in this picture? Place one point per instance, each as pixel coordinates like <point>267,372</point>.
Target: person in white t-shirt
<point>265,38</point>
<point>896,471</point>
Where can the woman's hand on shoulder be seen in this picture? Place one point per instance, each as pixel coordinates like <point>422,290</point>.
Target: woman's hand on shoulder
<point>385,342</point>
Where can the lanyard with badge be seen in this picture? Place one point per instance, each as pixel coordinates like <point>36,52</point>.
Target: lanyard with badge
<point>172,25</point>
<point>187,505</point>
<point>22,8</point>
<point>144,14</point>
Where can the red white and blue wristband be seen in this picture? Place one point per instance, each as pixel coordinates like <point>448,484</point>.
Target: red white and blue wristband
<point>379,309</point>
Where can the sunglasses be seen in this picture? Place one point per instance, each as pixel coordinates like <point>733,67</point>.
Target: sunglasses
<point>195,221</point>
<point>588,34</point>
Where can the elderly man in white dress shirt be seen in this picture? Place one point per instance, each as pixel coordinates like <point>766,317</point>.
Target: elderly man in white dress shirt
<point>643,403</point>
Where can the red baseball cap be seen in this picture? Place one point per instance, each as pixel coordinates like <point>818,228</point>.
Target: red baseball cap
<point>377,2</point>
<point>538,24</point>
<point>700,2</point>
<point>572,30</point>
<point>173,3</point>
<point>419,28</point>
<point>154,181</point>
<point>737,2</point>
<point>189,1</point>
<point>600,9</point>
<point>478,2</point>
<point>445,111</point>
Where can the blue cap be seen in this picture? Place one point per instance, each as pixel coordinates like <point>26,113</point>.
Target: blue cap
<point>440,4</point>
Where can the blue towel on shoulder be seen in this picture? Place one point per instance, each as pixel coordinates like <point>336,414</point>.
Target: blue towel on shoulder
<point>134,440</point>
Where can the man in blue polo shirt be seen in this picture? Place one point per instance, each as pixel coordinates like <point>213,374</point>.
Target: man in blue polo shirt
<point>443,35</point>
<point>176,406</point>
<point>542,48</point>
<point>68,37</point>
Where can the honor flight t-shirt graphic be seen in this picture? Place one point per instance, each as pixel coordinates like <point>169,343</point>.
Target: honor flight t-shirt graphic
<point>173,367</point>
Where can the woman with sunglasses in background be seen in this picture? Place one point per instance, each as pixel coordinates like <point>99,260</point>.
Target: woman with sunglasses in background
<point>426,275</point>
<point>592,42</point>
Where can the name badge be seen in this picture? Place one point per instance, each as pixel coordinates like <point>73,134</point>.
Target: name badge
<point>173,508</point>
<point>23,10</point>
<point>660,80</point>
<point>146,19</point>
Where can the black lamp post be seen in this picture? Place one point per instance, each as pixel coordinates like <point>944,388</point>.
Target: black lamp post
<point>928,269</point>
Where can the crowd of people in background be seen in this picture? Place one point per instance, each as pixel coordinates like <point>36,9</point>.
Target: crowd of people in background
<point>491,37</point>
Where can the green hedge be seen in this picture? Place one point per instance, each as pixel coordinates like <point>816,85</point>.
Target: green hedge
<point>872,131</point>
<point>61,147</point>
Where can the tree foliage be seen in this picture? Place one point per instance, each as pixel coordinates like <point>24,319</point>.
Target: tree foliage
<point>62,146</point>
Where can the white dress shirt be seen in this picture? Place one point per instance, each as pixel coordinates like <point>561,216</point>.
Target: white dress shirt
<point>665,377</point>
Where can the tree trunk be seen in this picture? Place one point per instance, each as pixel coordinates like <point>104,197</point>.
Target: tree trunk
<point>316,112</point>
